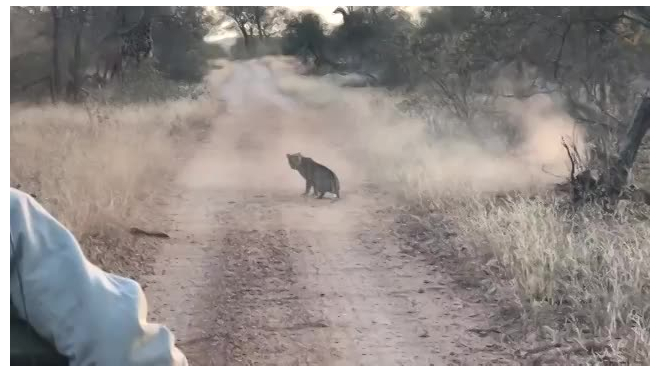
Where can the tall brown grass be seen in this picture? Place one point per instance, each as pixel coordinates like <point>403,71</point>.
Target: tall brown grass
<point>99,168</point>
<point>582,273</point>
<point>575,275</point>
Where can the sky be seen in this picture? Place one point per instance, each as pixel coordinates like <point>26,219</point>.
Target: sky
<point>324,11</point>
<point>228,36</point>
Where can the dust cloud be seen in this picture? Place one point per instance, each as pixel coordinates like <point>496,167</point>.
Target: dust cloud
<point>272,110</point>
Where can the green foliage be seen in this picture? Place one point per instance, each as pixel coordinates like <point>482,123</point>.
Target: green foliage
<point>179,43</point>
<point>445,20</point>
<point>303,33</point>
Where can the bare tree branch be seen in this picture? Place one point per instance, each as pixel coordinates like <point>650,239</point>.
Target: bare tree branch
<point>570,157</point>
<point>561,50</point>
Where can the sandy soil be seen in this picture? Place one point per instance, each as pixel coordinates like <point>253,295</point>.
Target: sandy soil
<point>255,274</point>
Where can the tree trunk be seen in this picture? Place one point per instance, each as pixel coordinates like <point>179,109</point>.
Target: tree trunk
<point>245,35</point>
<point>75,70</point>
<point>613,185</point>
<point>257,20</point>
<point>55,76</point>
<point>628,151</point>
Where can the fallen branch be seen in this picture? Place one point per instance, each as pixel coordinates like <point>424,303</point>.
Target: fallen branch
<point>138,231</point>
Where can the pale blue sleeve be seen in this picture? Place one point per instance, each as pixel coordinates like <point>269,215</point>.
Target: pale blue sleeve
<point>92,317</point>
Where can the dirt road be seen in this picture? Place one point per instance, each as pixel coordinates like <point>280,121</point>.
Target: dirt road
<point>255,274</point>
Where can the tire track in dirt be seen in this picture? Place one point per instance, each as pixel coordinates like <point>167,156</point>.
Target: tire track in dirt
<point>254,274</point>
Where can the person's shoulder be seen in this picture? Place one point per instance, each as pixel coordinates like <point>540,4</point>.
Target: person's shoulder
<point>22,203</point>
<point>17,196</point>
<point>17,193</point>
<point>18,204</point>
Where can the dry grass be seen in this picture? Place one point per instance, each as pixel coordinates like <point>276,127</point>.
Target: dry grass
<point>575,276</point>
<point>572,276</point>
<point>143,85</point>
<point>98,169</point>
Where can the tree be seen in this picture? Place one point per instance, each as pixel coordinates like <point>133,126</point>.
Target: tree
<point>366,40</point>
<point>628,152</point>
<point>241,19</point>
<point>249,19</point>
<point>447,20</point>
<point>75,71</point>
<point>595,60</point>
<point>183,54</point>
<point>55,88</point>
<point>582,51</point>
<point>303,35</point>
